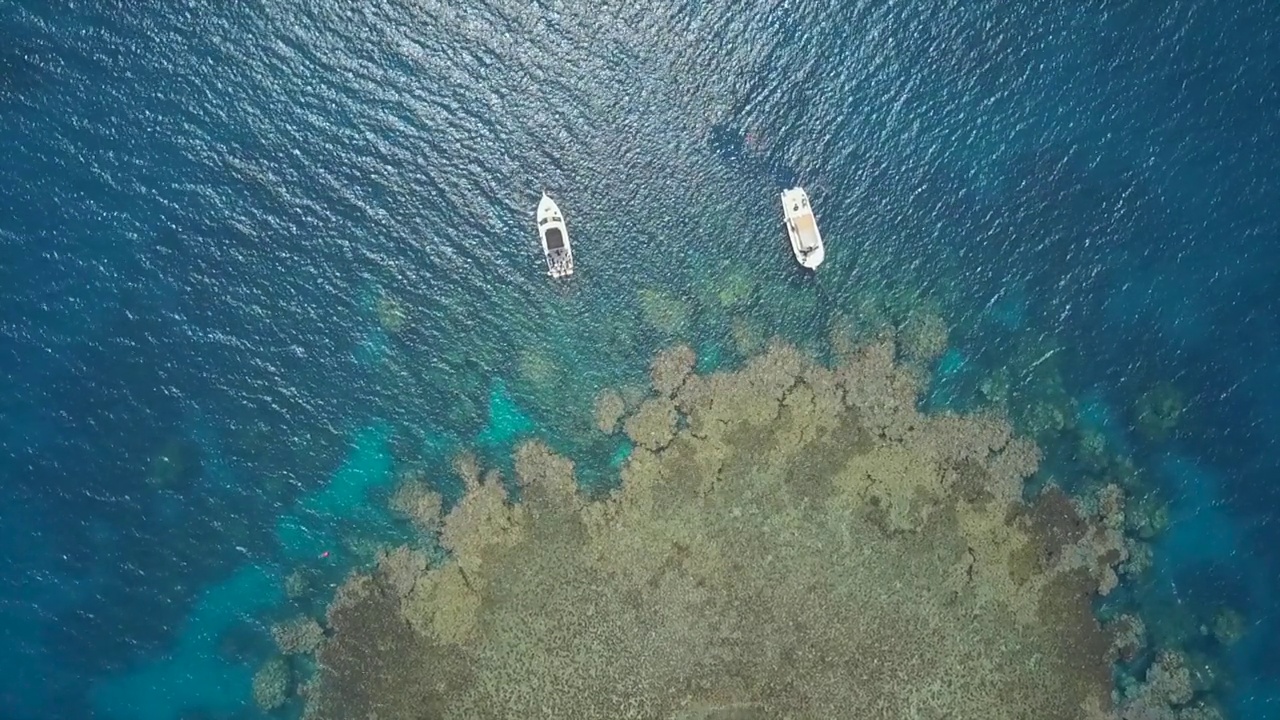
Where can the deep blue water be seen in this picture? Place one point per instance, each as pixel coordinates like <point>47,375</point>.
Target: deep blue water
<point>206,208</point>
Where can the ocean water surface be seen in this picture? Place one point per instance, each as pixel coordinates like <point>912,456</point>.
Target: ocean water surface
<point>259,259</point>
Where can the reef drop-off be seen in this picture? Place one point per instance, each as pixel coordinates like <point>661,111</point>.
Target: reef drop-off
<point>788,540</point>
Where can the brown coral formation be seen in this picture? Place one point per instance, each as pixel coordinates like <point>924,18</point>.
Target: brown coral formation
<point>297,636</point>
<point>1148,516</point>
<point>400,568</point>
<point>1129,637</point>
<point>609,409</point>
<point>670,368</point>
<point>272,684</point>
<point>1166,694</point>
<point>924,336</point>
<point>415,501</point>
<point>1075,539</point>
<point>787,541</point>
<point>467,467</point>
<point>653,424</point>
<point>747,337</point>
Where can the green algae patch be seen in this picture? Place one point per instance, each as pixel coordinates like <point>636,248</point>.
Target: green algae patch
<point>787,540</point>
<point>664,312</point>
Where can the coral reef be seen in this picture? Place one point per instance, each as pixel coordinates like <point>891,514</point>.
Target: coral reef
<point>1075,540</point>
<point>1140,558</point>
<point>748,338</point>
<point>653,424</point>
<point>415,501</point>
<point>378,669</point>
<point>862,320</point>
<point>297,636</point>
<point>1130,637</point>
<point>1148,516</point>
<point>609,409</point>
<point>670,368</point>
<point>272,684</point>
<point>924,337</point>
<point>467,466</point>
<point>632,396</point>
<point>1166,694</point>
<point>536,368</point>
<point>787,540</point>
<point>1049,410</point>
<point>399,568</point>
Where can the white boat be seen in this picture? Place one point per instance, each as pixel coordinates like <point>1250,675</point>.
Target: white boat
<point>555,238</point>
<point>802,226</point>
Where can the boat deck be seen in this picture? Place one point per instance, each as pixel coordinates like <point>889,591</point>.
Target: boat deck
<point>806,231</point>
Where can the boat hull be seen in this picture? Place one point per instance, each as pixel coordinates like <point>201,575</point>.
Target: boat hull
<point>802,228</point>
<point>554,234</point>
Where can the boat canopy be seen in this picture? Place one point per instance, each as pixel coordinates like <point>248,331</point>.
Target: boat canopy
<point>555,239</point>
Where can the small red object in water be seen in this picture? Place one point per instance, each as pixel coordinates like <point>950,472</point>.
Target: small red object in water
<point>324,554</point>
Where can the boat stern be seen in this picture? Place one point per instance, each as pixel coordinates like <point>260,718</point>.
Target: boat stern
<point>812,259</point>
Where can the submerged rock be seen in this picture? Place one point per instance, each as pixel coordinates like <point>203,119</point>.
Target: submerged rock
<point>787,541</point>
<point>1228,626</point>
<point>1148,516</point>
<point>1166,694</point>
<point>1158,411</point>
<point>392,314</point>
<point>1129,637</point>
<point>174,465</point>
